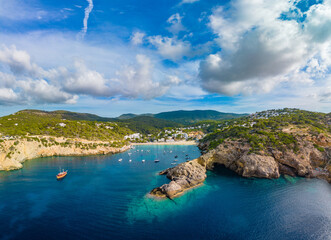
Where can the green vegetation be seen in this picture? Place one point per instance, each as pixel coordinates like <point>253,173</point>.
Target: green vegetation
<point>29,122</point>
<point>266,129</point>
<point>186,117</point>
<point>148,125</point>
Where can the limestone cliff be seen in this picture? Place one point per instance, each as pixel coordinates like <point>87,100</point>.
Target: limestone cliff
<point>307,161</point>
<point>184,176</point>
<point>14,152</point>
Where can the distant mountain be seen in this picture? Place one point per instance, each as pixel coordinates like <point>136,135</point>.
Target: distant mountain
<point>131,115</point>
<point>147,124</point>
<point>188,117</point>
<point>127,116</point>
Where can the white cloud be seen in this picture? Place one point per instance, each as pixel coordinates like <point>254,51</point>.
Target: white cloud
<point>137,81</point>
<point>32,83</point>
<point>18,61</point>
<point>176,25</point>
<point>87,12</point>
<point>259,50</point>
<point>137,38</point>
<point>8,97</point>
<point>80,80</point>
<point>40,91</point>
<point>171,48</point>
<point>6,80</point>
<point>188,1</point>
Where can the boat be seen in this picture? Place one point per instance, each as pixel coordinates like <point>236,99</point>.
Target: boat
<point>175,160</point>
<point>156,161</point>
<point>120,160</point>
<point>62,174</point>
<point>129,154</point>
<point>143,160</point>
<point>176,156</point>
<point>173,163</point>
<point>130,160</point>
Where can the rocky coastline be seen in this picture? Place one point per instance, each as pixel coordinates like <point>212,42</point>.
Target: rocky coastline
<point>14,152</point>
<point>235,155</point>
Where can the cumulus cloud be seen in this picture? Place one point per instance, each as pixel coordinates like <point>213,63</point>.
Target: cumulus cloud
<point>22,81</point>
<point>259,49</point>
<point>88,10</point>
<point>176,25</point>
<point>18,61</point>
<point>171,48</point>
<point>137,38</point>
<point>137,81</point>
<point>40,91</point>
<point>8,97</point>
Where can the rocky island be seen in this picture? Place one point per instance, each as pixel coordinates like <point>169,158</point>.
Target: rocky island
<point>292,142</point>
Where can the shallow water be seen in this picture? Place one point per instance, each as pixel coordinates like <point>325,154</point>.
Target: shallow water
<point>102,198</point>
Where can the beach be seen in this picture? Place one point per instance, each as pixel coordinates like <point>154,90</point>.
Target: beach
<point>168,143</point>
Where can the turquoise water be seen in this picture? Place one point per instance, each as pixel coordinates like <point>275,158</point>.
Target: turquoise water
<point>102,198</point>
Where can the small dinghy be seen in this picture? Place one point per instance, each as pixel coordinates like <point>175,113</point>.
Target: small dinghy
<point>120,160</point>
<point>130,160</point>
<point>62,174</point>
<point>156,161</point>
<point>143,160</point>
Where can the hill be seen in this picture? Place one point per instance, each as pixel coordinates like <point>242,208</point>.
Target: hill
<point>78,125</point>
<point>61,114</point>
<point>148,125</point>
<point>61,124</point>
<point>188,117</point>
<point>267,144</point>
<point>297,141</point>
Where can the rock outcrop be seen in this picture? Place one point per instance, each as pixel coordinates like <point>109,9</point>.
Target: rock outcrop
<point>235,155</point>
<point>183,177</point>
<point>13,153</point>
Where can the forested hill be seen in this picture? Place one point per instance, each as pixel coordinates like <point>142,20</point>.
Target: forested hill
<point>78,125</point>
<point>61,114</point>
<point>188,117</point>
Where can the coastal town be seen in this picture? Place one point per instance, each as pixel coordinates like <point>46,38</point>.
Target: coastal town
<point>168,136</point>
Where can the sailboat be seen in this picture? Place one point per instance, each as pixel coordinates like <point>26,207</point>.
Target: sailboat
<point>62,174</point>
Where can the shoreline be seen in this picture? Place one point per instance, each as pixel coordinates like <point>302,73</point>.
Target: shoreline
<point>167,143</point>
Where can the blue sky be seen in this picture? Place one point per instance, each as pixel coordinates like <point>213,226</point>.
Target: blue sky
<point>120,56</point>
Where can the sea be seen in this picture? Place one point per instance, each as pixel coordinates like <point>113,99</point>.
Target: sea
<point>106,197</point>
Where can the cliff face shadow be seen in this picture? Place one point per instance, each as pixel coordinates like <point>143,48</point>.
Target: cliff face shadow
<point>220,169</point>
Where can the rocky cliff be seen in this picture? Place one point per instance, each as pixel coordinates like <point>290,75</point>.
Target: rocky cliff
<point>14,152</point>
<point>183,177</point>
<point>307,161</point>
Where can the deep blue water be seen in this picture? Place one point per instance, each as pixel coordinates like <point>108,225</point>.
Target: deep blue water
<point>102,198</point>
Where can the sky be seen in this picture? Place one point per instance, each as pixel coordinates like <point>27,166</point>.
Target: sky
<point>149,56</point>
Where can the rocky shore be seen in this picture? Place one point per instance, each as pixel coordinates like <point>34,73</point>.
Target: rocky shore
<point>14,152</point>
<point>183,177</point>
<point>308,162</point>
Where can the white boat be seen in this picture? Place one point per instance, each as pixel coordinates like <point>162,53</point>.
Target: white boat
<point>173,163</point>
<point>130,160</point>
<point>143,160</point>
<point>129,154</point>
<point>120,160</point>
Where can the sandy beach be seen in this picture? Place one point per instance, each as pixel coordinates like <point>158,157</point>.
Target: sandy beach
<point>167,143</point>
